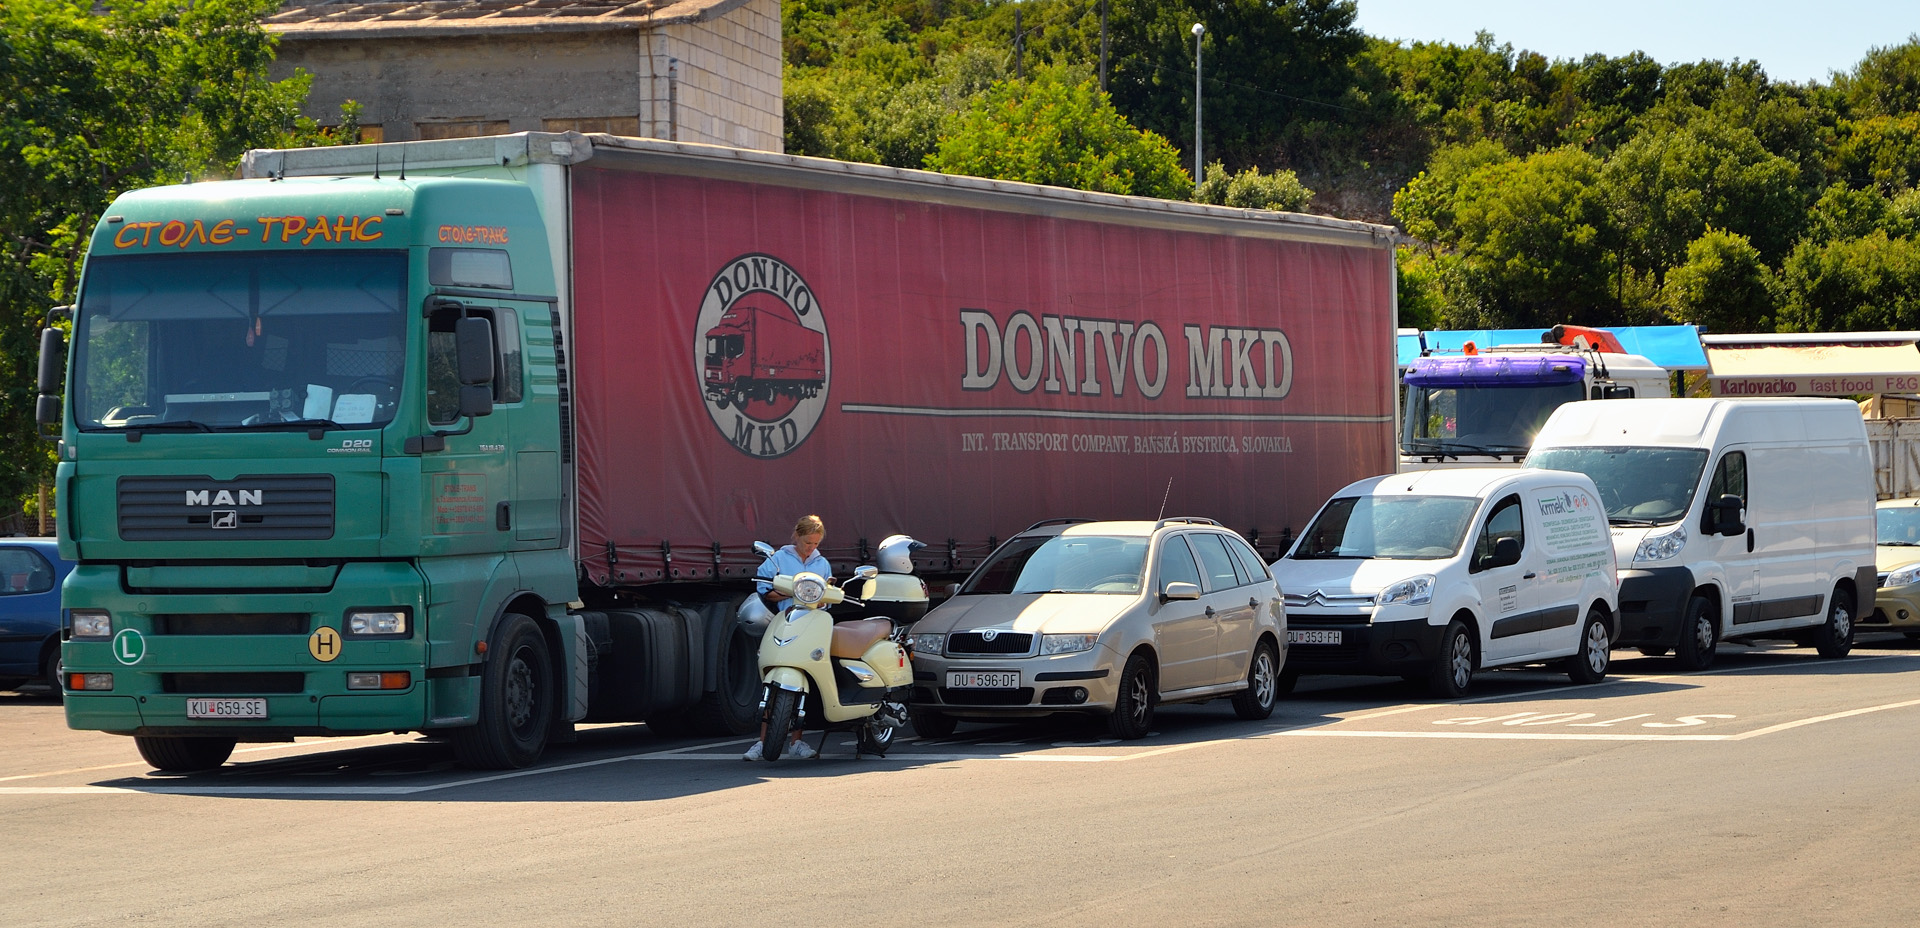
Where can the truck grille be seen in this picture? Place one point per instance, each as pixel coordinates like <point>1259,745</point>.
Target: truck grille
<point>977,643</point>
<point>257,507</point>
<point>232,684</point>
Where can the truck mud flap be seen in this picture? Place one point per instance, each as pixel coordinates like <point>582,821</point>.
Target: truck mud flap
<point>647,667</point>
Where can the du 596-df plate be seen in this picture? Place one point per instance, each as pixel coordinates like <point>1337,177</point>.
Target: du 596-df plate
<point>203,708</point>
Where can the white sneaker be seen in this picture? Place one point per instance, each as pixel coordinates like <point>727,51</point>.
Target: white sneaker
<point>753,753</point>
<point>799,750</point>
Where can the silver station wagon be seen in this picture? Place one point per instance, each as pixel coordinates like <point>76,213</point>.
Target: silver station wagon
<point>1103,618</point>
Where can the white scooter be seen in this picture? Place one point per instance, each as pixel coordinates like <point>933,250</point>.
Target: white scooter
<point>849,676</point>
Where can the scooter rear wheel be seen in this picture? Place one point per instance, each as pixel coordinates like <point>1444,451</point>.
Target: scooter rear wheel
<point>783,711</point>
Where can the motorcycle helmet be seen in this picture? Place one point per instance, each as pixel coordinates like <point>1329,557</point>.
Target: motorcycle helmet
<point>896,554</point>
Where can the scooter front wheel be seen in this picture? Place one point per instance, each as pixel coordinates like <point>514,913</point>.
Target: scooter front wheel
<point>783,712</point>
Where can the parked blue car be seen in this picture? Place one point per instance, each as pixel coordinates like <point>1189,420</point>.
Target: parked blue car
<point>31,571</point>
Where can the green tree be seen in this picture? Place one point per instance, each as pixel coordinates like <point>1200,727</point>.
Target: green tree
<point>1886,82</point>
<point>1425,206</point>
<point>1871,283</point>
<point>1667,185</point>
<point>1250,189</point>
<point>1535,230</point>
<point>1724,285</point>
<point>1051,131</point>
<point>96,99</point>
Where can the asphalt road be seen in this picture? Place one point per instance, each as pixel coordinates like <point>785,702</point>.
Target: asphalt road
<point>1778,789</point>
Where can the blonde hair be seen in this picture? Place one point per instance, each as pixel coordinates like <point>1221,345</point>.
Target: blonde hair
<point>808,525</point>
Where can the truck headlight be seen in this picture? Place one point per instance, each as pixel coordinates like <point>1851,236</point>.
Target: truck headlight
<point>809,590</point>
<point>1903,576</point>
<point>1066,644</point>
<point>377,623</point>
<point>1661,547</point>
<point>928,643</point>
<point>1413,591</point>
<point>92,624</point>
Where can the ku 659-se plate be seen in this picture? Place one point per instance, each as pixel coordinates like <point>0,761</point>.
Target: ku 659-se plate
<point>226,708</point>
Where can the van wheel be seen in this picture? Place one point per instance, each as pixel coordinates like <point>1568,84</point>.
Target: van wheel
<point>1452,672</point>
<point>1132,714</point>
<point>1834,638</point>
<point>1589,664</point>
<point>1699,638</point>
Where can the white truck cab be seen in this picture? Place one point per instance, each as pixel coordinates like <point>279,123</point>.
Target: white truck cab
<point>1732,519</point>
<point>1435,574</point>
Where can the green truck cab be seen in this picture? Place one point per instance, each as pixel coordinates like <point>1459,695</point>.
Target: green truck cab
<point>310,466</point>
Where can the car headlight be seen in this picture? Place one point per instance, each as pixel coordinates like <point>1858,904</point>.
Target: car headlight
<point>808,591</point>
<point>1413,591</point>
<point>927,643</point>
<point>373,622</point>
<point>1661,547</point>
<point>91,624</point>
<point>1067,644</point>
<point>1903,576</point>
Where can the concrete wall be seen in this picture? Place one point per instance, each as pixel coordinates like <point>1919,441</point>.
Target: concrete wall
<point>727,92</point>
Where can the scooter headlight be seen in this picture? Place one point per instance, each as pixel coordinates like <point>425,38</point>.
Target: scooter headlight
<point>808,591</point>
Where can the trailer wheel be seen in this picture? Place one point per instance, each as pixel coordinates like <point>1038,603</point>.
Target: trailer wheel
<point>516,700</point>
<point>733,708</point>
<point>184,755</point>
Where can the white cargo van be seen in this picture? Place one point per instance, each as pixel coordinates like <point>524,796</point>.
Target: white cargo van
<point>1432,575</point>
<point>1732,519</point>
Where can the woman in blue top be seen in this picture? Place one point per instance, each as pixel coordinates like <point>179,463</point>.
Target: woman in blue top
<point>802,555</point>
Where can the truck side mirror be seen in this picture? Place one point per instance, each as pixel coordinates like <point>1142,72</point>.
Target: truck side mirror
<point>476,399</point>
<point>1726,515</point>
<point>53,361</point>
<point>1614,391</point>
<point>473,341</point>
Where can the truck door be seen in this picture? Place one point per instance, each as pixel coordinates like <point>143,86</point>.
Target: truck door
<point>467,479</point>
<point>1183,631</point>
<point>1506,590</point>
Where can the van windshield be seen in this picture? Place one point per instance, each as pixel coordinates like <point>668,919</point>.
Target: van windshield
<point>1411,527</point>
<point>1639,486</point>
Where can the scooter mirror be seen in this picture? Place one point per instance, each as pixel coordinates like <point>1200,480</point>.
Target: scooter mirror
<point>766,550</point>
<point>865,572</point>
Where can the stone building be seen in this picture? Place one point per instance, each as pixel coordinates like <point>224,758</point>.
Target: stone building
<point>688,70</point>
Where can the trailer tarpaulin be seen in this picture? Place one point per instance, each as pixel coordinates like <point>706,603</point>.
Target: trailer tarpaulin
<point>744,354</point>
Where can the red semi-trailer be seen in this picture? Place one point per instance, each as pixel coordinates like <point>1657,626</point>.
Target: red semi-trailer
<point>949,357</point>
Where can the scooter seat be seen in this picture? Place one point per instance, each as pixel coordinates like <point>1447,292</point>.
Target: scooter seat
<point>852,639</point>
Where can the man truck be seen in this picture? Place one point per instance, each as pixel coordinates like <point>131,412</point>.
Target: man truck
<point>419,437</point>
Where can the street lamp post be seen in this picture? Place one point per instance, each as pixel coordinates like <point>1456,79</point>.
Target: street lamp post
<point>1198,165</point>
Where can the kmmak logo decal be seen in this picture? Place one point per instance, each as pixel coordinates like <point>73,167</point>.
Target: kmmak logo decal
<point>761,350</point>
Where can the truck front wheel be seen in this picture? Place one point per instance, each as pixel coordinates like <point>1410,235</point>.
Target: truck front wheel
<point>732,708</point>
<point>184,755</point>
<point>516,700</point>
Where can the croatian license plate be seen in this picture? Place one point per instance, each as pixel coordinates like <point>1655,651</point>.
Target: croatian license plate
<point>1313,636</point>
<point>983,680</point>
<point>226,708</point>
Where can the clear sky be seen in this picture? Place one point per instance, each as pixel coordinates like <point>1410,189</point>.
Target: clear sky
<point>1794,40</point>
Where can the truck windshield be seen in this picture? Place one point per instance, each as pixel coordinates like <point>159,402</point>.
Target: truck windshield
<point>1063,564</point>
<point>255,340</point>
<point>1639,486</point>
<point>1454,419</point>
<point>1410,527</point>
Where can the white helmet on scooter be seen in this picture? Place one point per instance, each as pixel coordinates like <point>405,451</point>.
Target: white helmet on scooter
<point>896,554</point>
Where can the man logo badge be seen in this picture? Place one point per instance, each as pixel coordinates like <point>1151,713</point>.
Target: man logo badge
<point>224,518</point>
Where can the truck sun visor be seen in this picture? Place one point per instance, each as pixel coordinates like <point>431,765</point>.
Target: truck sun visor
<point>1493,370</point>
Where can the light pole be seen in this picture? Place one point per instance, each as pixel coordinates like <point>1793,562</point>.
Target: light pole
<point>1198,165</point>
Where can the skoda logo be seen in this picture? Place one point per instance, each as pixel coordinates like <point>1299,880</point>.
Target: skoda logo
<point>760,350</point>
<point>989,634</point>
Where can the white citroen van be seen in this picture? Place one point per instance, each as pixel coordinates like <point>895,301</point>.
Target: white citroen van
<point>1434,574</point>
<point>1732,519</point>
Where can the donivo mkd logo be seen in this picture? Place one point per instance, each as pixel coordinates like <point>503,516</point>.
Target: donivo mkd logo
<point>762,353</point>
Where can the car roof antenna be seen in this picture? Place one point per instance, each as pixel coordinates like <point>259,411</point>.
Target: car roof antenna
<point>1163,500</point>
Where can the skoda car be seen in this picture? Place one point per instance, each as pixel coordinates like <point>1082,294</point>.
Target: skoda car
<point>1896,555</point>
<point>1103,618</point>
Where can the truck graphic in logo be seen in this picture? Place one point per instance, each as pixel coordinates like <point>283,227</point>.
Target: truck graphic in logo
<point>762,352</point>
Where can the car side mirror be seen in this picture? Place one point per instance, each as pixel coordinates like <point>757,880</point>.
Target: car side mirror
<point>953,589</point>
<point>1506,551</point>
<point>1180,589</point>
<point>1727,519</point>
